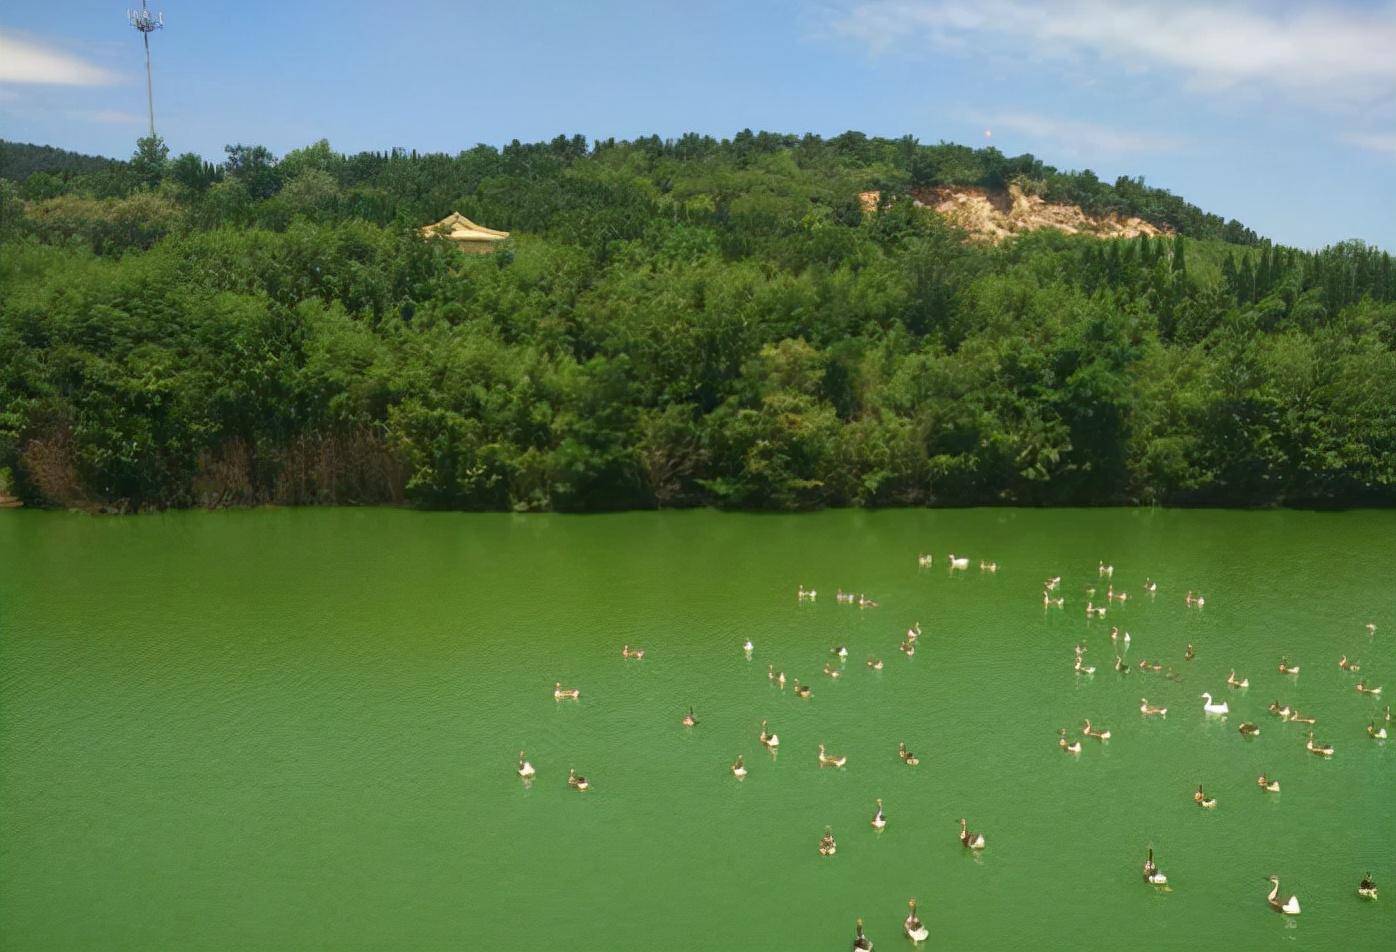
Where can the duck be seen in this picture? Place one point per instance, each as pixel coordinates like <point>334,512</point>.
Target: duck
<point>632,654</point>
<point>1296,718</point>
<point>1202,800</point>
<point>1120,665</point>
<point>1283,713</point>
<point>1212,707</point>
<point>861,943</point>
<point>839,650</point>
<point>1361,688</point>
<point>908,758</point>
<point>1189,653</point>
<point>907,648</point>
<point>1148,710</point>
<point>828,760</point>
<point>526,770</point>
<point>1268,785</point>
<point>739,768</point>
<point>806,594</point>
<point>1067,747</point>
<point>577,782</point>
<point>1285,667</point>
<point>968,838</point>
<point>924,561</point>
<point>1090,731</point>
<point>990,567</point>
<point>827,846</point>
<point>1367,889</point>
<point>1289,907</point>
<point>802,690</point>
<point>1321,750</point>
<point>748,647</point>
<point>564,694</point>
<point>1152,874</point>
<point>689,720</point>
<point>875,664</point>
<point>879,820</point>
<point>1105,571</point>
<point>1232,680</point>
<point>913,927</point>
<point>1248,729</point>
<point>1347,665</point>
<point>1375,732</point>
<point>958,563</point>
<point>832,671</point>
<point>769,741</point>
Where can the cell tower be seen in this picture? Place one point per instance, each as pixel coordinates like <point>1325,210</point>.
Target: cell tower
<point>147,23</point>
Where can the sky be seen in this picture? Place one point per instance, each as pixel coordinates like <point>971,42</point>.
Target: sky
<point>1280,114</point>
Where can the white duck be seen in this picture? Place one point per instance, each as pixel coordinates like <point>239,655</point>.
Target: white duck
<point>1213,707</point>
<point>1289,907</point>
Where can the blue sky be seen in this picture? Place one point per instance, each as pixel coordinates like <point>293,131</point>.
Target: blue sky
<point>1280,114</point>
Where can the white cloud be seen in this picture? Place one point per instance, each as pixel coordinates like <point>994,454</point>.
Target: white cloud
<point>1084,138</point>
<point>1377,142</point>
<point>1343,51</point>
<point>25,61</point>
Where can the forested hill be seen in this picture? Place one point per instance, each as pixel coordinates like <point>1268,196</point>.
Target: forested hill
<point>19,160</point>
<point>672,323</point>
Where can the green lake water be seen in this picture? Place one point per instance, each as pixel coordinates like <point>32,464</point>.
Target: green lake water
<point>298,729</point>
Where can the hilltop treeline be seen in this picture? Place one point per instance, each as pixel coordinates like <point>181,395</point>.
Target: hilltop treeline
<point>673,323</point>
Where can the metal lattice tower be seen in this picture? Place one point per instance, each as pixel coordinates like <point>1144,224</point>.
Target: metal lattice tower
<point>147,23</point>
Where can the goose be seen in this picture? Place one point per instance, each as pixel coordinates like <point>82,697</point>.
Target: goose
<point>1048,601</point>
<point>969,839</point>
<point>1375,732</point>
<point>1212,707</point>
<point>1067,747</point>
<point>1232,680</point>
<point>1268,785</point>
<point>865,602</point>
<point>1146,665</point>
<point>577,782</point>
<point>1148,710</point>
<point>802,690</point>
<point>1114,596</point>
<point>958,563</point>
<point>840,650</point>
<point>828,760</point>
<point>1082,668</point>
<point>1371,629</point>
<point>1361,688</point>
<point>1150,586</point>
<point>1289,907</point>
<point>1194,601</point>
<point>1388,713</point>
<point>1347,665</point>
<point>1090,731</point>
<point>827,846</point>
<point>1321,750</point>
<point>861,943</point>
<point>879,820</point>
<point>1115,635</point>
<point>1105,571</point>
<point>1367,889</point>
<point>1189,653</point>
<point>1248,729</point>
<point>806,594</point>
<point>1120,665</point>
<point>832,671</point>
<point>908,758</point>
<point>1296,718</point>
<point>1052,583</point>
<point>1093,612</point>
<point>688,719</point>
<point>1202,800</point>
<point>563,694</point>
<point>913,632</point>
<point>915,930</point>
<point>907,648</point>
<point>844,598</point>
<point>739,768</point>
<point>1283,713</point>
<point>1285,667</point>
<point>748,647</point>
<point>875,664</point>
<point>632,654</point>
<point>1152,874</point>
<point>769,741</point>
<point>990,567</point>
<point>526,770</point>
<point>924,561</point>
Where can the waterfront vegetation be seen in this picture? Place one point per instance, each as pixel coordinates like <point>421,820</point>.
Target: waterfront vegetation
<point>673,323</point>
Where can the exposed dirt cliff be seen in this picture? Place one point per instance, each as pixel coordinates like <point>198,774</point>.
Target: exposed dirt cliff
<point>994,216</point>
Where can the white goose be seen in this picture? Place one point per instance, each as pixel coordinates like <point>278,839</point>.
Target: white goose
<point>924,561</point>
<point>1289,907</point>
<point>1212,707</point>
<point>958,563</point>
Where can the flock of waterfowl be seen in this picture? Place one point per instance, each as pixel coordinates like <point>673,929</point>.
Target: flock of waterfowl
<point>1212,707</point>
